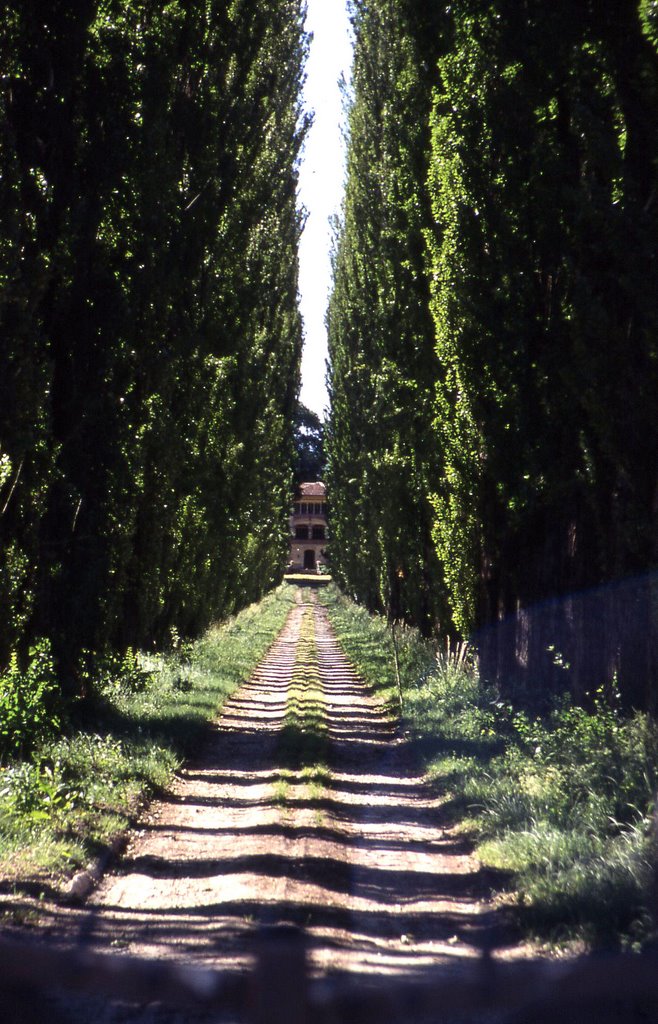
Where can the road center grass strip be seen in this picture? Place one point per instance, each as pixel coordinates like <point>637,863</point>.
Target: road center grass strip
<point>75,794</point>
<point>559,800</point>
<point>303,741</point>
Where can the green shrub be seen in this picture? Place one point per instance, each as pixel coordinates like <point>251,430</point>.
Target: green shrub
<point>36,792</point>
<point>28,702</point>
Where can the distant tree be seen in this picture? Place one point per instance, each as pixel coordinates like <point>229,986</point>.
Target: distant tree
<point>309,445</point>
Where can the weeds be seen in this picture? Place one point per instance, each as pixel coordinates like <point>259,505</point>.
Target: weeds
<point>72,794</point>
<point>28,702</point>
<point>561,801</point>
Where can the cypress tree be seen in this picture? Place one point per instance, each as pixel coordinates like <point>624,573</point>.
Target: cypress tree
<point>383,364</point>
<point>543,261</point>
<point>150,331</point>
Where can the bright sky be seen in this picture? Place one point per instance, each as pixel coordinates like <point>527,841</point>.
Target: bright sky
<point>321,183</point>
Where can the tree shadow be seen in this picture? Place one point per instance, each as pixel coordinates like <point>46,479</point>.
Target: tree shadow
<point>357,856</point>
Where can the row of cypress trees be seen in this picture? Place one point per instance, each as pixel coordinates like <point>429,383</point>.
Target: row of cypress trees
<point>150,335</point>
<point>493,452</point>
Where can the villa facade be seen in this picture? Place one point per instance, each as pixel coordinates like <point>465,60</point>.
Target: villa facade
<point>308,529</point>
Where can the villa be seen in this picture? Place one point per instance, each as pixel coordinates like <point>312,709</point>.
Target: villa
<point>308,529</point>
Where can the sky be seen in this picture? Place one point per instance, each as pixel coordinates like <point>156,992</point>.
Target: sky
<point>321,182</point>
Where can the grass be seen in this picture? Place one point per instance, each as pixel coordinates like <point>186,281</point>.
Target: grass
<point>303,741</point>
<point>368,642</point>
<point>77,792</point>
<point>559,804</point>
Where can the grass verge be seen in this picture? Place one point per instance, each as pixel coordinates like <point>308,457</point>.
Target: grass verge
<point>368,642</point>
<point>76,793</point>
<point>559,804</point>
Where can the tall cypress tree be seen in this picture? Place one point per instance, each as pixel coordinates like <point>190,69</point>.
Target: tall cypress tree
<point>383,365</point>
<point>542,183</point>
<point>150,332</point>
<point>524,409</point>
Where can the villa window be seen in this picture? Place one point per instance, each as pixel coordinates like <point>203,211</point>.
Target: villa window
<point>318,533</point>
<point>301,533</point>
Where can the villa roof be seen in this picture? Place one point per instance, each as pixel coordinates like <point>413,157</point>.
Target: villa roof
<point>316,489</point>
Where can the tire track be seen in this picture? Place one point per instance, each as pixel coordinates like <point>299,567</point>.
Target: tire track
<point>200,873</point>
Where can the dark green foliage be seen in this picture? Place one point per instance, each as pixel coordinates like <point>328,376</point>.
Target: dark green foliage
<point>493,327</point>
<point>28,702</point>
<point>544,301</point>
<point>309,445</point>
<point>383,364</point>
<point>150,336</point>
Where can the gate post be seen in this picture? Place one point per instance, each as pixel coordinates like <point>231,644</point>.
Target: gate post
<point>278,985</point>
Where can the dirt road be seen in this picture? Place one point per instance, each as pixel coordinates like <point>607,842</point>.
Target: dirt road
<point>354,853</point>
<point>359,860</point>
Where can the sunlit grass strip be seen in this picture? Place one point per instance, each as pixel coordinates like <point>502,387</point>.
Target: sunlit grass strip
<point>67,802</point>
<point>303,742</point>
